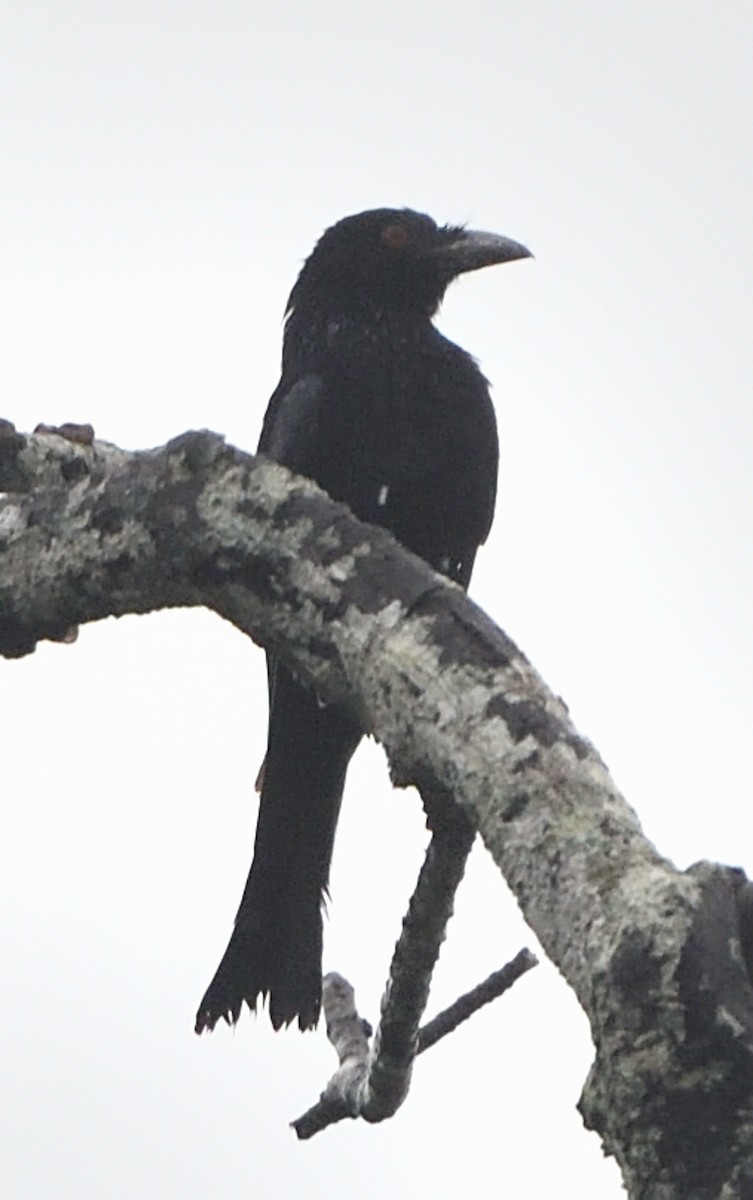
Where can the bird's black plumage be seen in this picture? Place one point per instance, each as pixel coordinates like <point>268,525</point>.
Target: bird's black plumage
<point>387,415</point>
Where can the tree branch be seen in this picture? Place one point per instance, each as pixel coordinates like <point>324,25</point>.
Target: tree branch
<point>373,1081</point>
<point>484,993</point>
<point>654,955</point>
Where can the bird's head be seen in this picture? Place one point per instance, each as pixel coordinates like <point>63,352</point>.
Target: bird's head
<point>393,259</point>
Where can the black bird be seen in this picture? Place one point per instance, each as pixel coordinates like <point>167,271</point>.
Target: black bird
<point>387,415</point>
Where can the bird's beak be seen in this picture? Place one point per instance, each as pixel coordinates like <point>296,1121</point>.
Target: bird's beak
<point>473,249</point>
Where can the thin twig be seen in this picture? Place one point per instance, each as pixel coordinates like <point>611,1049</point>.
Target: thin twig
<point>465,1006</point>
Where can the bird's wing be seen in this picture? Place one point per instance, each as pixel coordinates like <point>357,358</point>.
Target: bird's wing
<point>289,433</point>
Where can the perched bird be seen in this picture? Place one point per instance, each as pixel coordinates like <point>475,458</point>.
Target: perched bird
<point>387,415</point>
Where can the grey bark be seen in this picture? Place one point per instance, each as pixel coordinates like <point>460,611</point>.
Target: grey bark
<point>659,959</point>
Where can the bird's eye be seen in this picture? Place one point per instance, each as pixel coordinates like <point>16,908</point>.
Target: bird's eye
<point>394,236</point>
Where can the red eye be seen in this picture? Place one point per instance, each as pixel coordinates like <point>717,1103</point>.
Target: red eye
<point>394,236</point>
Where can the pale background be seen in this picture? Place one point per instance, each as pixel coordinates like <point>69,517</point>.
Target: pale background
<point>165,168</point>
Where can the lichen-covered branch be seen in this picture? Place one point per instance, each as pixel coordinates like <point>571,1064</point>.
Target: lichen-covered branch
<point>348,1093</point>
<point>654,955</point>
<point>396,1040</point>
<point>373,1078</point>
<point>349,1034</point>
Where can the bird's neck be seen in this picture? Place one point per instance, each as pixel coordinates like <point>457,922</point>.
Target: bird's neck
<point>309,335</point>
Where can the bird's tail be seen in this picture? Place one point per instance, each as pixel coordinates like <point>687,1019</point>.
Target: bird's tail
<point>276,946</point>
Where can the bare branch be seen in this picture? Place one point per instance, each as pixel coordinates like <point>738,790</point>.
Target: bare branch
<point>373,1084</point>
<point>465,1006</point>
<point>655,955</point>
<point>349,1034</point>
<point>348,1090</point>
<point>416,953</point>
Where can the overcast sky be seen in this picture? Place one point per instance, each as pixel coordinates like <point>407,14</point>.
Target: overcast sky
<point>165,169</point>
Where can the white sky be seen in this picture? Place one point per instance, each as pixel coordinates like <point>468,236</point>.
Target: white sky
<point>165,169</point>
